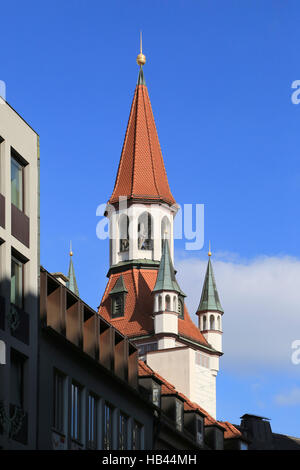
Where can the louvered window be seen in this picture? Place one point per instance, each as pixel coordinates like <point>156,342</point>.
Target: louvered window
<point>118,306</point>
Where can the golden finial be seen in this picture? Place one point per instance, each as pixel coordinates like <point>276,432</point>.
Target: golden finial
<point>71,252</point>
<point>209,252</point>
<point>141,58</point>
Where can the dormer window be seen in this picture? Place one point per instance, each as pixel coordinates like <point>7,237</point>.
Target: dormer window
<point>118,298</point>
<point>156,394</point>
<point>179,415</point>
<point>199,430</point>
<point>117,306</point>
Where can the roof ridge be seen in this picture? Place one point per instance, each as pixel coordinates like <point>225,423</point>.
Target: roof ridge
<point>150,145</point>
<point>134,142</point>
<point>124,143</point>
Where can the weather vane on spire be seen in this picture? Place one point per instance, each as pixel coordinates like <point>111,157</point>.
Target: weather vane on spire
<point>141,58</point>
<point>71,252</point>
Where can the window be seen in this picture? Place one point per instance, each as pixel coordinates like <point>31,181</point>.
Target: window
<point>199,430</point>
<point>118,306</point>
<point>156,394</point>
<point>75,411</point>
<point>180,309</point>
<point>17,184</point>
<point>243,446</point>
<point>204,322</point>
<point>118,297</point>
<point>145,241</point>
<point>202,360</point>
<point>144,348</point>
<point>168,303</point>
<point>16,284</point>
<point>212,322</point>
<point>92,424</point>
<point>136,436</point>
<point>107,435</point>
<point>124,232</point>
<point>219,323</point>
<point>17,379</point>
<point>123,423</point>
<point>179,415</point>
<point>58,401</point>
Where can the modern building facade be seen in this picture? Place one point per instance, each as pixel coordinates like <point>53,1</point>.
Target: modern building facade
<point>89,394</point>
<point>19,279</point>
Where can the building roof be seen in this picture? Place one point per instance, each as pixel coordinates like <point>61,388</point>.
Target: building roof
<point>231,432</point>
<point>141,173</point>
<point>209,298</point>
<point>137,320</point>
<point>119,286</point>
<point>166,280</point>
<point>167,388</point>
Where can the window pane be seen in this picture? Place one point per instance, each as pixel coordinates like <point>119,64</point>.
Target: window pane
<point>107,444</point>
<point>58,405</point>
<point>136,436</point>
<point>16,184</point>
<point>179,415</point>
<point>123,432</point>
<point>199,430</point>
<point>75,412</point>
<point>156,394</point>
<point>16,286</point>
<point>92,436</point>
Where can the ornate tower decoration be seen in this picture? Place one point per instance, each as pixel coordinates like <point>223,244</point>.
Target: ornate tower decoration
<point>142,297</point>
<point>141,207</point>
<point>167,298</point>
<point>72,283</point>
<point>210,310</point>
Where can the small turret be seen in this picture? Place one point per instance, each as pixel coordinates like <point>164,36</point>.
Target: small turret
<point>167,296</point>
<point>210,310</point>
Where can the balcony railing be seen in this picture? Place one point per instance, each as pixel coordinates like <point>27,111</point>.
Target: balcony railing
<point>14,422</point>
<point>18,321</point>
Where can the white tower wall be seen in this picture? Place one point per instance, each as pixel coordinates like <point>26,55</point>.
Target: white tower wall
<point>162,216</point>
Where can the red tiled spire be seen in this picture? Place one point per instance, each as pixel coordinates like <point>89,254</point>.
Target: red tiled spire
<point>141,173</point>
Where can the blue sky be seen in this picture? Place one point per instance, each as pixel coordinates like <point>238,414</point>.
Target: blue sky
<point>219,76</point>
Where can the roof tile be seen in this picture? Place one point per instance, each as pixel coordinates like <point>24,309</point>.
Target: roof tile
<point>141,173</point>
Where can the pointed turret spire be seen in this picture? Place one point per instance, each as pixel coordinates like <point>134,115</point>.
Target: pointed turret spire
<point>141,174</point>
<point>166,280</point>
<point>209,298</point>
<point>72,283</point>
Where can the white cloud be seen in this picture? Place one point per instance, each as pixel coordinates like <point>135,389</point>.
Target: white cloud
<point>261,301</point>
<point>288,399</point>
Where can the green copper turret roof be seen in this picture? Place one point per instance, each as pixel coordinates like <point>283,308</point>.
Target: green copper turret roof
<point>209,297</point>
<point>166,280</point>
<point>119,287</point>
<point>141,78</point>
<point>72,283</point>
